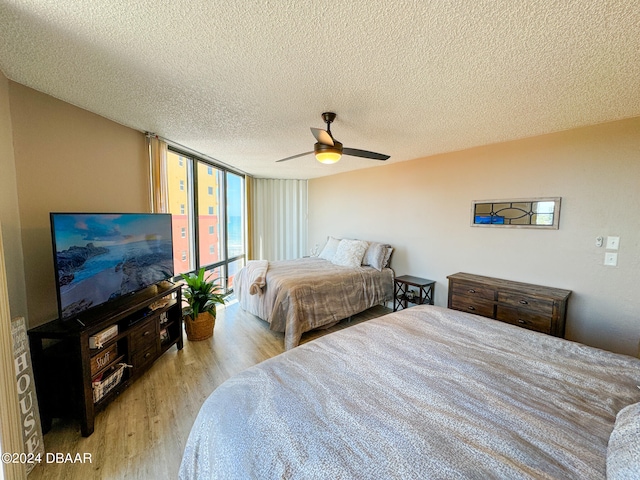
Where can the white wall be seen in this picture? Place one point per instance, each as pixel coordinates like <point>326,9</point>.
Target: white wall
<point>422,207</point>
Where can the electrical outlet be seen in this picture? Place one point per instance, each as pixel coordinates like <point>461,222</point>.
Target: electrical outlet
<point>611,259</point>
<point>599,241</point>
<point>613,243</point>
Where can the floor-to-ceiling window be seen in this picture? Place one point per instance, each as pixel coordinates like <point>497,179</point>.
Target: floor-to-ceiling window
<point>236,224</point>
<point>180,183</point>
<point>208,207</point>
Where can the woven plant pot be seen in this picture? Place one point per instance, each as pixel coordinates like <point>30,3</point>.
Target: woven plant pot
<point>201,328</point>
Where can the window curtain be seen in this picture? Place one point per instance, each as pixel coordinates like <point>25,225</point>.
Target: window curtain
<point>248,192</point>
<point>158,186</point>
<point>277,219</point>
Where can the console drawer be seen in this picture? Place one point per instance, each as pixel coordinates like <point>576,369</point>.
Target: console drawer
<point>142,358</point>
<point>524,318</point>
<point>145,335</point>
<point>478,306</point>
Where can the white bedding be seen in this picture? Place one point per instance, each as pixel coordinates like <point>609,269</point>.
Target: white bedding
<point>422,393</point>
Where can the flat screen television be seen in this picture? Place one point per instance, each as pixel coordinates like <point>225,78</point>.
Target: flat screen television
<point>100,257</point>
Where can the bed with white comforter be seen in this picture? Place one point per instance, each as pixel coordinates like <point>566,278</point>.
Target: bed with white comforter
<point>425,393</point>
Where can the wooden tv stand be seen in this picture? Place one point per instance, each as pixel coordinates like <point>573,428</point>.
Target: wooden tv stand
<point>65,367</point>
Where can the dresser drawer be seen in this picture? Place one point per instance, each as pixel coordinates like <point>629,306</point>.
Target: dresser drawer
<point>524,318</point>
<point>478,306</point>
<point>540,306</point>
<point>474,291</point>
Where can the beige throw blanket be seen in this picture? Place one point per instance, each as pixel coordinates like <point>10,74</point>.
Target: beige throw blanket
<point>309,293</point>
<point>256,272</point>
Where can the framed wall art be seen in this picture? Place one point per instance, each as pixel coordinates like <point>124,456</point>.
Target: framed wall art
<point>517,213</point>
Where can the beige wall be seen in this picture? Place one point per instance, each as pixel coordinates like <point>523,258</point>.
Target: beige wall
<point>67,159</point>
<point>422,207</point>
<point>57,157</point>
<point>9,211</point>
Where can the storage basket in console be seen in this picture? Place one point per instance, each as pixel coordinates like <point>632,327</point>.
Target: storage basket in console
<point>108,381</point>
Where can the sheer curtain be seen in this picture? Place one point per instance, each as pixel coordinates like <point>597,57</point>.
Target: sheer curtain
<point>277,219</point>
<point>158,188</point>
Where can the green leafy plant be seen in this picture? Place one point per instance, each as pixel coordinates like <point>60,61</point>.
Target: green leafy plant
<point>201,294</point>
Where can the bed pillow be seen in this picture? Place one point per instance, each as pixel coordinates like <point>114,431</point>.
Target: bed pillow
<point>623,451</point>
<point>350,253</point>
<point>329,250</point>
<point>375,255</point>
<point>387,257</point>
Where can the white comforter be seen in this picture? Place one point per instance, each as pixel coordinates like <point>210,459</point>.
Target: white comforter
<point>426,393</point>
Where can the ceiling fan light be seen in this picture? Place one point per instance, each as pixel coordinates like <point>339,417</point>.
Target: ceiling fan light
<point>328,157</point>
<point>328,154</point>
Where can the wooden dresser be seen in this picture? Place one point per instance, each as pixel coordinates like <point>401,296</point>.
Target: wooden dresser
<point>535,307</point>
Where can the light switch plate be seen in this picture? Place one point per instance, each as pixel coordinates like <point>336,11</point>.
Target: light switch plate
<point>611,259</point>
<point>613,243</point>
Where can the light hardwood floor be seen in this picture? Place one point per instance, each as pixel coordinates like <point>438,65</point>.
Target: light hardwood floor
<point>141,435</point>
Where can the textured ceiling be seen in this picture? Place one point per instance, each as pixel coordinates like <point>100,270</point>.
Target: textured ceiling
<point>242,82</point>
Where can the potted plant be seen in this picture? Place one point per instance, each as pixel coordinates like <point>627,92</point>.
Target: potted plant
<point>201,296</point>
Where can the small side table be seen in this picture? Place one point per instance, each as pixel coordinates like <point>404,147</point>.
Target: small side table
<point>403,295</point>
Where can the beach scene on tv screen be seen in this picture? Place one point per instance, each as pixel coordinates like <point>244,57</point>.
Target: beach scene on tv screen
<point>101,257</point>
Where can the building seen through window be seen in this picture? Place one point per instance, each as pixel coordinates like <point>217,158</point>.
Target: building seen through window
<point>208,208</point>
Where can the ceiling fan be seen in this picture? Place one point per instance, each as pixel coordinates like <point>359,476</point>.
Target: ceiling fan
<point>328,150</point>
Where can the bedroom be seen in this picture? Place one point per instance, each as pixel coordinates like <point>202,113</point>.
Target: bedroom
<point>421,206</point>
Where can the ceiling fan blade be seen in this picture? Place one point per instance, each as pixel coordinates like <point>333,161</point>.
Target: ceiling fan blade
<point>322,136</point>
<point>294,156</point>
<point>354,152</point>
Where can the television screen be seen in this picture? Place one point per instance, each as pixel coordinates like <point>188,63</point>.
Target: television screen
<point>99,257</point>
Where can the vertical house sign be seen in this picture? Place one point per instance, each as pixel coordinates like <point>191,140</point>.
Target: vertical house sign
<point>29,413</point>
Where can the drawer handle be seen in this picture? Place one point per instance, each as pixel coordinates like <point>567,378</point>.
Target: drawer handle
<point>471,307</point>
<point>147,355</point>
<point>524,302</point>
<point>146,333</point>
<point>521,322</point>
<point>472,290</point>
